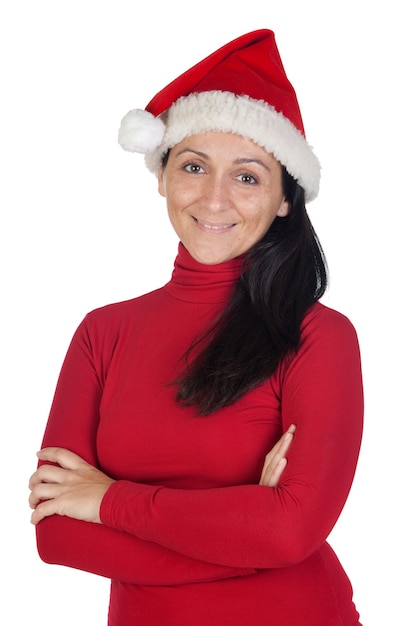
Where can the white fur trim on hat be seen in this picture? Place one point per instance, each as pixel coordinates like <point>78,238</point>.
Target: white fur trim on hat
<point>223,111</point>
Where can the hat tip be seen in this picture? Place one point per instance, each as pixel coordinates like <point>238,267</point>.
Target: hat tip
<point>140,131</point>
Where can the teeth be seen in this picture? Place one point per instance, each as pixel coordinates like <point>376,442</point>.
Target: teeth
<point>212,227</point>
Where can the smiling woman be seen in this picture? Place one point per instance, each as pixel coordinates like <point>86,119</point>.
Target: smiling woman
<point>223,192</point>
<point>203,437</point>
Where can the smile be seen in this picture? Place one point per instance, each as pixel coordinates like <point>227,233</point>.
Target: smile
<point>214,227</point>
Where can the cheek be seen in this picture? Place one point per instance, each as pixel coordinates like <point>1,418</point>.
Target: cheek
<point>263,218</point>
<point>177,194</point>
<point>177,204</point>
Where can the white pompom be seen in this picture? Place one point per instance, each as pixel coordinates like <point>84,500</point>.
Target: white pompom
<point>140,131</point>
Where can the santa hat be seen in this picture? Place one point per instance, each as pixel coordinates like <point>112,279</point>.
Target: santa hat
<point>241,88</point>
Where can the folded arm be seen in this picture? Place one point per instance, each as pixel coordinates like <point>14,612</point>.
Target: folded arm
<point>94,548</point>
<point>256,526</point>
<point>259,526</point>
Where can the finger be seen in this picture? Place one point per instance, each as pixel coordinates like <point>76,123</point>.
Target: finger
<point>275,455</point>
<point>272,473</point>
<point>276,473</point>
<point>282,446</point>
<point>284,442</point>
<point>45,509</point>
<point>43,491</point>
<point>48,474</point>
<point>63,457</point>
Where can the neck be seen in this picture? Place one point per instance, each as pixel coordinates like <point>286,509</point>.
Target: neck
<point>196,282</point>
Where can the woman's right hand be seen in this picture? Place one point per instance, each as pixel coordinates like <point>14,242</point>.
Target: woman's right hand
<point>275,460</point>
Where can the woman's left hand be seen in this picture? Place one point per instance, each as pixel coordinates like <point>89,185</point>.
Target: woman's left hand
<point>72,487</point>
<point>276,460</point>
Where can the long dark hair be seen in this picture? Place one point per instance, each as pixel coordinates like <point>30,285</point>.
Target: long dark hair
<point>282,276</point>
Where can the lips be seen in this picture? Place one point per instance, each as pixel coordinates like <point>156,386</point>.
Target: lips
<point>213,227</point>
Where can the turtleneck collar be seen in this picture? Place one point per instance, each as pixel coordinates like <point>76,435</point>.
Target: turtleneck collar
<point>192,281</point>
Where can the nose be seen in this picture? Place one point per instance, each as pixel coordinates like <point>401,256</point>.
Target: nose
<point>216,195</point>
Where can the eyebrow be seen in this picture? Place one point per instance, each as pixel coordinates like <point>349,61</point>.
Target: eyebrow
<point>200,154</point>
<point>249,160</point>
<point>240,161</point>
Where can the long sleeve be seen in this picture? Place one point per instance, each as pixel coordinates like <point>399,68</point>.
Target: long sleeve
<point>320,390</point>
<point>73,424</point>
<point>121,556</point>
<point>186,506</point>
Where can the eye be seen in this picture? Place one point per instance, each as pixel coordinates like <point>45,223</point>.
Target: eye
<point>193,168</point>
<point>247,179</point>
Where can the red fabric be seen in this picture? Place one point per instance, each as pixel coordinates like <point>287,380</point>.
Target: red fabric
<point>188,536</point>
<point>249,65</point>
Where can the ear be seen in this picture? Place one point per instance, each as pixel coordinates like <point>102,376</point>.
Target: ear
<point>284,208</point>
<point>161,182</point>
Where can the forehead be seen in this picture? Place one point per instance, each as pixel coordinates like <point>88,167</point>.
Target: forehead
<point>226,145</point>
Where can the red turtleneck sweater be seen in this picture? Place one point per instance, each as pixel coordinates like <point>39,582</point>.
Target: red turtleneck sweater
<point>188,536</point>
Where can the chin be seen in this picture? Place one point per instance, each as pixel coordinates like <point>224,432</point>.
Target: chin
<point>204,260</point>
<point>210,258</point>
<point>213,254</point>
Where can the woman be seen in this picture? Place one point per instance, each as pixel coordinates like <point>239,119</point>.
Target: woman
<point>159,466</point>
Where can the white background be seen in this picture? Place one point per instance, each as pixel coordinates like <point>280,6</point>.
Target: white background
<point>82,225</point>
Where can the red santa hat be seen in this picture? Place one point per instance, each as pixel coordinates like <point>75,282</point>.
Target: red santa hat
<point>241,88</point>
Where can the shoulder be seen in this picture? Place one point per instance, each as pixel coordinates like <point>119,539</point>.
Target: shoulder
<point>111,321</point>
<point>328,344</point>
<point>114,326</point>
<point>323,322</point>
<point>328,353</point>
<point>122,311</point>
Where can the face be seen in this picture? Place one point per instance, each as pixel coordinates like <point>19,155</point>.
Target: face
<point>223,192</point>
